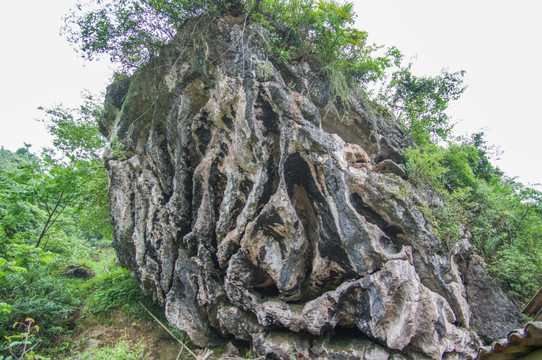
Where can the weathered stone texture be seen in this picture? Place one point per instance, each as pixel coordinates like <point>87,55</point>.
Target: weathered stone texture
<point>237,211</point>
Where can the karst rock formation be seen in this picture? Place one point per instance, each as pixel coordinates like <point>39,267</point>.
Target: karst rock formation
<point>256,211</point>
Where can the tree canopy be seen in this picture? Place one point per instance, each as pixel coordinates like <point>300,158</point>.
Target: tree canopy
<point>133,31</point>
<point>51,207</point>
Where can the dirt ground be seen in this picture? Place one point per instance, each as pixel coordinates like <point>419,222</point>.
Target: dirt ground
<point>158,344</point>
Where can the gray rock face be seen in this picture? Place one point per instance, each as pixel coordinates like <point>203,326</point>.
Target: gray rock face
<point>249,211</point>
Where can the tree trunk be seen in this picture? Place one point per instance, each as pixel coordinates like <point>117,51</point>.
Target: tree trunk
<point>50,221</point>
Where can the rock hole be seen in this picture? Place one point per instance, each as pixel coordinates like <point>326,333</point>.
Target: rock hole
<point>150,250</point>
<point>242,346</point>
<point>217,184</point>
<point>265,113</point>
<point>238,206</point>
<point>228,122</point>
<point>267,292</point>
<point>184,199</point>
<point>272,183</point>
<point>346,334</point>
<point>261,282</point>
<point>203,134</point>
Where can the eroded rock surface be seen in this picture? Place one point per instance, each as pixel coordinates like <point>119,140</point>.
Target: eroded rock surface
<point>249,211</point>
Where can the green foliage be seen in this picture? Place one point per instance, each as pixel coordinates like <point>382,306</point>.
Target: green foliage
<point>133,31</point>
<point>77,175</point>
<point>123,350</point>
<point>41,292</point>
<point>68,184</point>
<point>19,216</point>
<point>322,32</point>
<point>32,288</point>
<point>115,290</point>
<point>130,31</point>
<point>21,344</point>
<point>502,218</point>
<point>420,102</point>
<point>56,201</point>
<point>75,131</point>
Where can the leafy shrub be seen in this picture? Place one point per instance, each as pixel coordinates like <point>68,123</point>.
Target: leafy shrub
<point>133,31</point>
<point>420,102</point>
<point>115,290</point>
<point>502,218</point>
<point>21,345</point>
<point>33,288</point>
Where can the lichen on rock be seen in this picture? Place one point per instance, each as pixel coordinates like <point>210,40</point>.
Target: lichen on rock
<point>248,211</point>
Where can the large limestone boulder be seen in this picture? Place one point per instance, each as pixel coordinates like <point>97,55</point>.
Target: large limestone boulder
<point>251,208</point>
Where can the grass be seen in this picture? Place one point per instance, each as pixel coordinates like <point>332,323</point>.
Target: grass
<point>98,318</point>
<point>124,350</point>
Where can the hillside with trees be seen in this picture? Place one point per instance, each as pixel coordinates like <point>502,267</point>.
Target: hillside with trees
<point>54,206</point>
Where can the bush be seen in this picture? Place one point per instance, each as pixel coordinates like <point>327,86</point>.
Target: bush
<point>33,288</point>
<point>502,218</point>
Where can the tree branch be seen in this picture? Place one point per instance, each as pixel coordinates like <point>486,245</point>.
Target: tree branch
<point>48,223</point>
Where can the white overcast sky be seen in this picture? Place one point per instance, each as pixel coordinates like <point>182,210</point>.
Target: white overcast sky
<point>497,42</point>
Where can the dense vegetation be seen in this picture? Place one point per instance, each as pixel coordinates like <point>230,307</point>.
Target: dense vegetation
<point>53,207</point>
<point>53,215</point>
